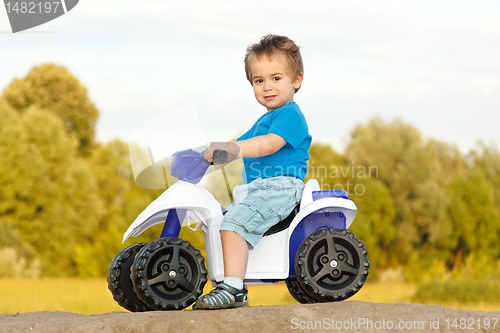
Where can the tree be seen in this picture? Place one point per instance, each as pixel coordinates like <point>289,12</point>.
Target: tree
<point>417,175</point>
<point>488,159</point>
<point>474,216</point>
<point>55,89</point>
<point>48,194</point>
<point>11,174</point>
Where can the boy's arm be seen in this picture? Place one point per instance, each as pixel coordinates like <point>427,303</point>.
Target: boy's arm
<point>260,146</point>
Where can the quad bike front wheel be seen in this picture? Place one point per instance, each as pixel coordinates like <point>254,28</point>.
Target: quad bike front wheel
<point>119,280</point>
<point>331,265</point>
<point>168,274</point>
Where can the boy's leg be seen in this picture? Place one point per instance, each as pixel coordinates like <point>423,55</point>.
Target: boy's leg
<point>235,252</point>
<point>231,293</point>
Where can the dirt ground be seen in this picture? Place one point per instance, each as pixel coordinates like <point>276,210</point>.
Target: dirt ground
<point>351,316</point>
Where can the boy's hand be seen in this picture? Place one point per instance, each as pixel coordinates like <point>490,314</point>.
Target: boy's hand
<point>209,152</point>
<point>232,149</point>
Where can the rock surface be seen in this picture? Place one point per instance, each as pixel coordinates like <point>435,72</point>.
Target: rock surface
<point>351,316</point>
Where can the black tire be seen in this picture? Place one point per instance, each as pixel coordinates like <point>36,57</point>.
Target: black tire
<point>331,265</point>
<point>295,289</point>
<point>119,282</point>
<point>168,274</point>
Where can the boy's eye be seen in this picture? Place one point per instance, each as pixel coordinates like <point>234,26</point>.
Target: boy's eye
<point>276,78</point>
<point>258,81</point>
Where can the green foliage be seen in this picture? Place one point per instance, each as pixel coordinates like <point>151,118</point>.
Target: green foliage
<point>487,159</point>
<point>475,282</point>
<point>423,268</point>
<point>47,193</point>
<point>55,89</point>
<point>328,167</point>
<point>14,266</point>
<point>461,291</point>
<point>473,214</point>
<point>417,175</point>
<point>373,224</point>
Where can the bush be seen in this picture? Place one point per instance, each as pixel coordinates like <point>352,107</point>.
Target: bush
<point>459,291</point>
<point>14,266</point>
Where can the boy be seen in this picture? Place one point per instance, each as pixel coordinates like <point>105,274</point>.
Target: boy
<point>275,154</point>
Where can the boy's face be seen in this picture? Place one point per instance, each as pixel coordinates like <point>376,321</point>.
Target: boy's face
<point>272,86</point>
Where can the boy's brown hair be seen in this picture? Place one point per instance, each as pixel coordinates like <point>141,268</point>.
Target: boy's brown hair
<point>271,45</point>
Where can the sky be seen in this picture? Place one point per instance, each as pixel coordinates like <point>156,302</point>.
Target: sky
<point>433,64</point>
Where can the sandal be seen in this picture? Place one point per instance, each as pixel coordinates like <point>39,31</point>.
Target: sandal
<point>223,297</point>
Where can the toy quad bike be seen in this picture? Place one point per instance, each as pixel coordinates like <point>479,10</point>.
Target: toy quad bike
<point>311,249</point>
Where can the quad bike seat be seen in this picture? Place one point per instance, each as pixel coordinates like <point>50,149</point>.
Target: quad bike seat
<point>311,192</point>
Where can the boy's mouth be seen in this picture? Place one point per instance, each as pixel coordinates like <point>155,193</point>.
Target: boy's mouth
<point>269,97</point>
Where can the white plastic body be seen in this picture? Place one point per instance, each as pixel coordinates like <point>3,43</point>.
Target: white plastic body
<point>269,260</point>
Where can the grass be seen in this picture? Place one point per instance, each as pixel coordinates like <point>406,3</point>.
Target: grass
<point>91,296</point>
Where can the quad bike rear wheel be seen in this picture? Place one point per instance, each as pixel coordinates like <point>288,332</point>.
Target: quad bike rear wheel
<point>295,289</point>
<point>119,280</point>
<point>168,274</point>
<point>331,265</point>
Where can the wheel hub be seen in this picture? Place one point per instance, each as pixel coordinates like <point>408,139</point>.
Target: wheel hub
<point>334,263</point>
<point>172,274</point>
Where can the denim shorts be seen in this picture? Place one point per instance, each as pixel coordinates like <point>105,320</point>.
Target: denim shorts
<point>261,204</point>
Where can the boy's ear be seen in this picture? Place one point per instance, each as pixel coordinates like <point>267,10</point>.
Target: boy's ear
<point>298,81</point>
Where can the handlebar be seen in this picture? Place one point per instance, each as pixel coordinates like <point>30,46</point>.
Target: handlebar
<point>219,156</point>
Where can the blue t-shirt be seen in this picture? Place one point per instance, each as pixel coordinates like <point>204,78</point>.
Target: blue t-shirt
<point>291,160</point>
